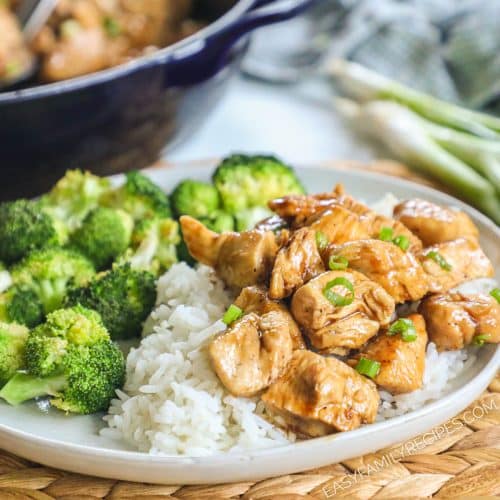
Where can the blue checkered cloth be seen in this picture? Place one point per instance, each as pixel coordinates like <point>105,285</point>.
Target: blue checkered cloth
<point>448,48</point>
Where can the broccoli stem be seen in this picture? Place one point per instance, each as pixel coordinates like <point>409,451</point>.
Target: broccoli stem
<point>23,387</point>
<point>52,293</point>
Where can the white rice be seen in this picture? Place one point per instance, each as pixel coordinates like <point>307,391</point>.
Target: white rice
<point>174,404</point>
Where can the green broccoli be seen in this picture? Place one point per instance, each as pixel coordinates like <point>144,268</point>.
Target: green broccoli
<point>12,341</point>
<point>195,198</point>
<point>247,219</point>
<point>104,234</point>
<point>183,253</point>
<point>140,197</point>
<point>5,278</point>
<point>249,181</point>
<point>153,245</point>
<point>219,221</point>
<point>23,228</point>
<point>20,304</point>
<point>71,358</point>
<point>73,197</point>
<point>123,297</point>
<point>50,272</point>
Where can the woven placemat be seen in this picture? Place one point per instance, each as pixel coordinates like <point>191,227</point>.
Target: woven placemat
<point>460,458</point>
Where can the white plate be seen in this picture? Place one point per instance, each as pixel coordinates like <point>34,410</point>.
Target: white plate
<point>72,443</point>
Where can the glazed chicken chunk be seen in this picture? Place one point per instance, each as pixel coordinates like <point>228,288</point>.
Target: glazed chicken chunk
<point>433,223</point>
<point>318,396</point>
<point>334,316</point>
<point>252,352</point>
<point>402,363</point>
<point>296,263</point>
<point>299,259</point>
<point>450,263</point>
<point>254,299</point>
<point>454,320</point>
<point>300,210</point>
<point>375,222</point>
<point>239,259</point>
<point>399,272</point>
<point>296,209</point>
<point>338,225</point>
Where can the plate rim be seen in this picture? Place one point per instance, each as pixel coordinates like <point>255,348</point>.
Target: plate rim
<point>483,376</point>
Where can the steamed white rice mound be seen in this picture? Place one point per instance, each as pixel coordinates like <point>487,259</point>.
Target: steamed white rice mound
<point>173,403</point>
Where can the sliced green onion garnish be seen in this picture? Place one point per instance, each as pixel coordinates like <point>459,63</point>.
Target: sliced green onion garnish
<point>495,293</point>
<point>336,298</point>
<point>402,242</point>
<point>337,263</point>
<point>321,240</point>
<point>368,367</point>
<point>405,327</point>
<point>69,28</point>
<point>480,339</point>
<point>112,27</point>
<point>437,257</point>
<point>386,234</point>
<point>12,68</point>
<point>232,314</point>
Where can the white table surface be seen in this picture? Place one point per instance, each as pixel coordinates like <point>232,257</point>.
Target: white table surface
<point>295,122</point>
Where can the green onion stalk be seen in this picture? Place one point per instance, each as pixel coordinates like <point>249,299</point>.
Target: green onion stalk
<point>414,141</point>
<point>365,85</point>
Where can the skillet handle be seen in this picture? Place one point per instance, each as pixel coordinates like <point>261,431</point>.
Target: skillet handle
<point>203,58</point>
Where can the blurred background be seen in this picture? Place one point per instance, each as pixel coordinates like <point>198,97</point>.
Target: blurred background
<point>112,85</point>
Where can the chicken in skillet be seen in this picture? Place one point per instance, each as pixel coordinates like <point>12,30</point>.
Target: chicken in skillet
<point>317,396</point>
<point>455,320</point>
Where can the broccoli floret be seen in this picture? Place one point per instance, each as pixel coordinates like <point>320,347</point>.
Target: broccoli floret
<point>104,235</point>
<point>47,344</point>
<point>20,304</point>
<point>184,255</point>
<point>12,341</point>
<point>219,221</point>
<point>73,197</point>
<point>247,219</point>
<point>23,228</point>
<point>195,198</point>
<point>123,297</point>
<point>140,197</point>
<point>72,359</point>
<point>50,272</point>
<point>249,181</point>
<point>153,246</point>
